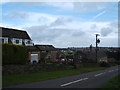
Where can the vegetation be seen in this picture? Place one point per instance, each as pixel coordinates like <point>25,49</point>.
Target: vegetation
<point>34,77</point>
<point>107,64</point>
<point>104,64</point>
<point>13,54</point>
<point>113,55</point>
<point>40,76</point>
<point>87,69</point>
<point>113,84</point>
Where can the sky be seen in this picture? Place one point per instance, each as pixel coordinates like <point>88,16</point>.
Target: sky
<point>64,24</point>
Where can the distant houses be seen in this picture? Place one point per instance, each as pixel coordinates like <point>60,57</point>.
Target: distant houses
<point>48,53</point>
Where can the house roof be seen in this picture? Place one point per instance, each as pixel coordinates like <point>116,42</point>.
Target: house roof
<point>14,33</point>
<point>46,47</point>
<point>32,48</point>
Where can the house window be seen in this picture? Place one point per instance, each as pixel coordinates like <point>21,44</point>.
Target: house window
<point>28,42</point>
<point>3,40</point>
<point>17,41</point>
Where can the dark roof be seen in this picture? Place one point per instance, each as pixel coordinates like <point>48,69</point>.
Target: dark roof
<point>62,48</point>
<point>14,33</point>
<point>46,47</point>
<point>32,48</point>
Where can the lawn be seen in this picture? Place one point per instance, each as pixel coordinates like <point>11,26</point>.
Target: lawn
<point>87,69</point>
<point>15,79</point>
<point>114,83</point>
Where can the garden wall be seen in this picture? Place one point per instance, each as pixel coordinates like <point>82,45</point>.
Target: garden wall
<point>17,69</point>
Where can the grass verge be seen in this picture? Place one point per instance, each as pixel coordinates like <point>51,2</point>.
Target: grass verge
<point>87,69</point>
<point>8,80</point>
<point>114,83</point>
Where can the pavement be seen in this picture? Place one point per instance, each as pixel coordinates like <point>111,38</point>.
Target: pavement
<point>87,80</point>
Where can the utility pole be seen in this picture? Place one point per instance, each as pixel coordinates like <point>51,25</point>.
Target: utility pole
<point>97,41</point>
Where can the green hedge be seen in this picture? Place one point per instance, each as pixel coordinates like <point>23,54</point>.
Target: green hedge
<point>14,54</point>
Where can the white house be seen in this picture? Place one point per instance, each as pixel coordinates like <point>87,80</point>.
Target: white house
<point>14,36</point>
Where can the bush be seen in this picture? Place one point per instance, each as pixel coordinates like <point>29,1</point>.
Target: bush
<point>104,64</point>
<point>14,54</point>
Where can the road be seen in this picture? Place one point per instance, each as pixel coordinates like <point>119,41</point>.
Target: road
<point>87,80</point>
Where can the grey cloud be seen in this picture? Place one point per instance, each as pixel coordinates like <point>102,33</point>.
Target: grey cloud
<point>105,31</point>
<point>17,14</point>
<point>79,6</point>
<point>88,6</point>
<point>45,33</point>
<point>61,21</point>
<point>33,4</point>
<point>59,37</point>
<point>41,33</point>
<point>114,24</point>
<point>42,19</point>
<point>78,33</point>
<point>94,26</point>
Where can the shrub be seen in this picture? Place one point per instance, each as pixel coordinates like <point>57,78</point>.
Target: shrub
<point>104,64</point>
<point>14,54</point>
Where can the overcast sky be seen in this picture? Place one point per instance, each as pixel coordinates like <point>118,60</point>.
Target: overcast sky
<point>64,24</point>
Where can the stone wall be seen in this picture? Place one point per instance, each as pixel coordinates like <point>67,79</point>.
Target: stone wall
<point>17,69</point>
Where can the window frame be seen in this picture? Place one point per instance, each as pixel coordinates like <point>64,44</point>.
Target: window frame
<point>15,39</point>
<point>4,40</point>
<point>28,44</point>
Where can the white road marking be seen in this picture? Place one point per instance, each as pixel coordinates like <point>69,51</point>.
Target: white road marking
<point>110,70</point>
<point>73,82</point>
<point>104,72</point>
<point>98,74</point>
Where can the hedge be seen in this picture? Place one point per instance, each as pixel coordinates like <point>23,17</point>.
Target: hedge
<point>14,54</point>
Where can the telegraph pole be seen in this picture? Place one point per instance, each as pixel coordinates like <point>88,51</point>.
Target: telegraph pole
<point>97,41</point>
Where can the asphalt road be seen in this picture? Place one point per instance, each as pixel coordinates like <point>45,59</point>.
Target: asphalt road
<point>87,80</point>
